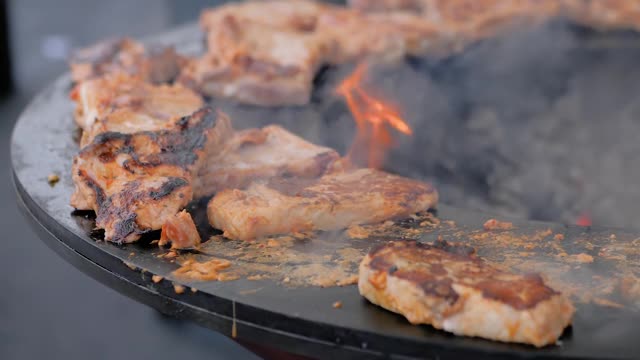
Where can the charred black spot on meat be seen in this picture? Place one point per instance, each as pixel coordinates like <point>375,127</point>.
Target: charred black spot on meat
<point>100,195</point>
<point>126,227</point>
<point>168,187</point>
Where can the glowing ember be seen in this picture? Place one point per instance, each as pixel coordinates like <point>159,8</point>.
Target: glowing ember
<point>584,220</point>
<point>373,117</point>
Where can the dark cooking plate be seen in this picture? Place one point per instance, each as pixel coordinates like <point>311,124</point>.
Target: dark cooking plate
<point>300,318</point>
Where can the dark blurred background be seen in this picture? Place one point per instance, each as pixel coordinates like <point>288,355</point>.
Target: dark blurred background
<point>48,309</point>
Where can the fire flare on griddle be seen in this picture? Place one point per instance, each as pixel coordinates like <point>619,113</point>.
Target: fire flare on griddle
<point>374,117</point>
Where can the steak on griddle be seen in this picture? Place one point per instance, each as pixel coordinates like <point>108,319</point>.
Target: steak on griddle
<point>135,182</point>
<point>125,103</point>
<point>156,65</point>
<point>333,202</point>
<point>261,154</point>
<point>448,287</point>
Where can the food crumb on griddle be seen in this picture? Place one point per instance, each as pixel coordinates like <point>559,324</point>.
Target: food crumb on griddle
<point>156,278</point>
<point>286,280</point>
<point>204,271</point>
<point>179,289</point>
<point>255,277</point>
<point>612,236</point>
<point>52,179</point>
<point>357,232</point>
<point>493,224</point>
<point>558,237</point>
<point>272,243</point>
<point>194,290</point>
<point>582,258</point>
<point>131,253</point>
<point>131,266</point>
<point>337,305</point>
<point>348,281</point>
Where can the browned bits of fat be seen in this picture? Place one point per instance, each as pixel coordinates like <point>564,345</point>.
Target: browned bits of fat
<point>558,237</point>
<point>53,179</point>
<point>179,289</point>
<point>582,258</point>
<point>156,278</point>
<point>357,232</point>
<point>493,224</point>
<point>337,305</point>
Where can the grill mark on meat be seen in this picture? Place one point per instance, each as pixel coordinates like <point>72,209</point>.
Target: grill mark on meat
<point>426,269</point>
<point>142,178</point>
<point>93,185</point>
<point>176,148</point>
<point>168,187</point>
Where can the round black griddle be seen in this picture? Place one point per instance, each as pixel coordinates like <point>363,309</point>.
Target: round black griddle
<point>298,319</point>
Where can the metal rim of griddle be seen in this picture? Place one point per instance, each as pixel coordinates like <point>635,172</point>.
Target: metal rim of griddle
<point>230,315</point>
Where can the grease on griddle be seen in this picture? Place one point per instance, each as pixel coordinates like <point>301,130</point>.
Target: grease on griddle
<point>331,259</point>
<point>493,224</point>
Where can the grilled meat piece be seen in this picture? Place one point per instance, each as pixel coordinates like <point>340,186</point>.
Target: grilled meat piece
<point>332,202</point>
<point>180,231</point>
<point>126,104</point>
<point>450,288</point>
<point>261,154</point>
<point>258,64</point>
<point>156,65</point>
<point>604,14</point>
<point>464,21</point>
<point>136,182</point>
<point>292,15</point>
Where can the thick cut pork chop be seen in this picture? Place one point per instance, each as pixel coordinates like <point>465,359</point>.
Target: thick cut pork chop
<point>127,104</point>
<point>450,288</point>
<point>136,182</point>
<point>156,65</point>
<point>261,154</point>
<point>255,63</point>
<point>332,202</point>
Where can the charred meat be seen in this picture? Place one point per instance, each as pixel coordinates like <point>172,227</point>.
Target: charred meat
<point>136,182</point>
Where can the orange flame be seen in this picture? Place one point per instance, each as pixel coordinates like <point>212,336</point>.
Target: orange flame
<point>373,117</point>
<point>584,220</point>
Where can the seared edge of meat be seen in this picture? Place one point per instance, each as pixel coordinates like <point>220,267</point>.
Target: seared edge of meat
<point>450,288</point>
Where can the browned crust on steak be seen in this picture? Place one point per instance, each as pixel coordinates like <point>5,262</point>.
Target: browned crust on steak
<point>429,273</point>
<point>450,288</point>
